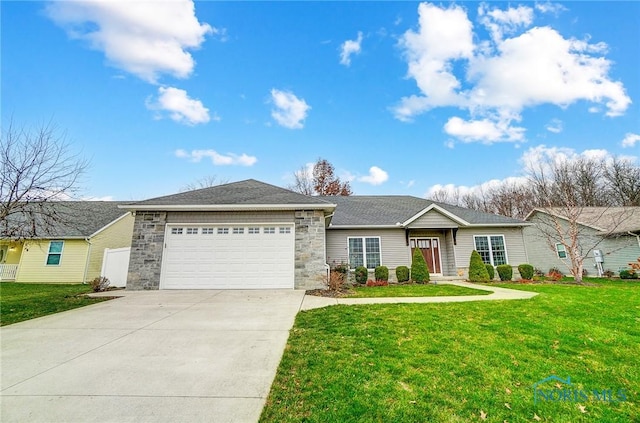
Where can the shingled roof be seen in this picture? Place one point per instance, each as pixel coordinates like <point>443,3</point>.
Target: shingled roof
<point>390,210</point>
<point>75,219</point>
<point>243,194</point>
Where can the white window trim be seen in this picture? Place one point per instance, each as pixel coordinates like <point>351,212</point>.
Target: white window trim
<point>46,258</point>
<point>504,241</point>
<point>564,250</point>
<point>364,249</point>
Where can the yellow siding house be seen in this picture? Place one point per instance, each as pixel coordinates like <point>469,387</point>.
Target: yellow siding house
<point>71,252</point>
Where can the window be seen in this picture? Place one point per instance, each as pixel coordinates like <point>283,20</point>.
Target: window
<point>491,248</point>
<point>207,231</point>
<point>562,252</point>
<point>192,231</point>
<point>238,231</point>
<point>223,231</point>
<point>176,231</point>
<point>364,252</point>
<point>286,230</point>
<point>55,253</point>
<point>254,230</point>
<point>269,230</point>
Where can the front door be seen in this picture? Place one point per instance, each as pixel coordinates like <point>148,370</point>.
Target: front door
<point>430,248</point>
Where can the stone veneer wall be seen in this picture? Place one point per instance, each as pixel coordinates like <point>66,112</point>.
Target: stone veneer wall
<point>310,261</point>
<point>147,244</point>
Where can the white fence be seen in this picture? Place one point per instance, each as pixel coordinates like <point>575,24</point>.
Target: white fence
<point>115,265</point>
<point>8,272</point>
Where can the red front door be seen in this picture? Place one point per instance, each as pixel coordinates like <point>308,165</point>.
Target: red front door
<point>430,248</point>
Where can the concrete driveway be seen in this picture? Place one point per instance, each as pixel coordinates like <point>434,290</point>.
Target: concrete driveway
<point>179,356</point>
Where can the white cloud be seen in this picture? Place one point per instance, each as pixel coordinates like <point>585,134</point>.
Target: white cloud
<point>289,111</point>
<point>548,7</point>
<point>349,48</point>
<point>179,106</point>
<point>554,126</point>
<point>630,140</point>
<point>539,157</point>
<point>499,22</point>
<point>517,68</point>
<point>217,158</point>
<point>484,130</point>
<point>145,38</point>
<point>376,176</point>
<point>444,35</point>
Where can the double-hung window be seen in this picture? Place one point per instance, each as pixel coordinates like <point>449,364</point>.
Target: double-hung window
<point>364,251</point>
<point>491,248</point>
<point>561,251</point>
<point>55,253</point>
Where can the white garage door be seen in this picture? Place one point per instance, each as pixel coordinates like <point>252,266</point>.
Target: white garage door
<point>228,257</point>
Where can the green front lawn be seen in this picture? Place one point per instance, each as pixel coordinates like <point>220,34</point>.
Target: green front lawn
<point>413,290</point>
<point>20,301</point>
<point>465,362</point>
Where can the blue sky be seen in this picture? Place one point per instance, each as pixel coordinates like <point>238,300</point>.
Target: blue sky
<point>402,97</point>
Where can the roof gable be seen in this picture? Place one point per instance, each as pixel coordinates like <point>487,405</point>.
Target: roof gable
<point>243,194</point>
<point>435,217</point>
<point>603,219</point>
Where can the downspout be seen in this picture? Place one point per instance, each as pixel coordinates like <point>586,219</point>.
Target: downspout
<point>86,264</point>
<point>636,235</point>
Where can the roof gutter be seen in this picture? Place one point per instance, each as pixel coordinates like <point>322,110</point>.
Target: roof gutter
<point>226,207</point>
<point>636,235</point>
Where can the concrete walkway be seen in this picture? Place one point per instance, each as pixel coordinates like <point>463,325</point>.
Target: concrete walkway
<point>498,293</point>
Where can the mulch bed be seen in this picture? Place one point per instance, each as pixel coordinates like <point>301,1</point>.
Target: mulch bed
<point>330,293</point>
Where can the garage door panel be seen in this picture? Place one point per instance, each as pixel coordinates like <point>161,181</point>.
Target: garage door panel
<point>229,257</point>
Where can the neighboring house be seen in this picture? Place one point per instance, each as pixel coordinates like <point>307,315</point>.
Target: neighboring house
<point>615,231</point>
<point>385,229</point>
<point>252,235</point>
<point>71,252</point>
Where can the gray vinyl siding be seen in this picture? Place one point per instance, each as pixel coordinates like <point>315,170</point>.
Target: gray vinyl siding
<point>617,251</point>
<point>393,249</point>
<point>433,219</point>
<point>513,239</point>
<point>231,217</point>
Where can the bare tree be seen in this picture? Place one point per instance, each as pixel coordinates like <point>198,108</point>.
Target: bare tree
<point>571,194</point>
<point>444,195</point>
<point>303,181</point>
<point>38,169</point>
<point>622,180</point>
<point>204,182</point>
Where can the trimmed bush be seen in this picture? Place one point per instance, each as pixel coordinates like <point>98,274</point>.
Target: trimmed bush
<point>361,274</point>
<point>505,272</point>
<point>402,273</point>
<point>371,282</point>
<point>477,269</point>
<point>526,271</point>
<point>419,268</point>
<point>491,271</point>
<point>628,274</point>
<point>382,273</point>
